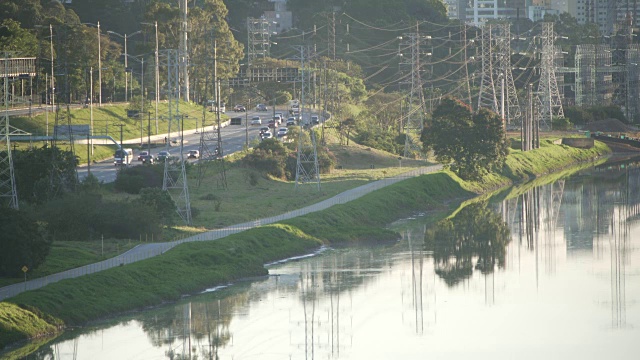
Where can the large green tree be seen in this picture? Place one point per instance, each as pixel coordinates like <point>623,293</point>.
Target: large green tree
<point>24,242</point>
<point>44,173</point>
<point>470,144</point>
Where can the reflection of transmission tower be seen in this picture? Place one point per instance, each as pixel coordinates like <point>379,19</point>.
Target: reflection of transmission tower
<point>415,104</point>
<point>175,177</point>
<point>549,95</point>
<point>307,169</point>
<point>259,39</point>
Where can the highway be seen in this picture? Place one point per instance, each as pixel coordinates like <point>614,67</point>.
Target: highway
<point>233,140</point>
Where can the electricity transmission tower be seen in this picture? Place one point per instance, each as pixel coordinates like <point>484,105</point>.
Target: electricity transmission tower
<point>331,38</point>
<point>7,177</point>
<point>511,106</point>
<point>548,93</point>
<point>307,170</point>
<point>487,94</point>
<point>259,39</point>
<point>415,109</point>
<point>211,150</point>
<point>175,176</point>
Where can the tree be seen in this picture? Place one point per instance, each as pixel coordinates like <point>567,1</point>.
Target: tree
<point>469,144</point>
<point>24,242</point>
<point>160,201</point>
<point>17,40</point>
<point>38,178</point>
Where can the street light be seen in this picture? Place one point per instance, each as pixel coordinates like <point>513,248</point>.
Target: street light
<point>126,64</point>
<point>53,89</point>
<point>99,63</point>
<point>157,75</point>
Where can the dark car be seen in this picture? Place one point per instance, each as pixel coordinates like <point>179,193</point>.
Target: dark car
<point>262,107</point>
<point>239,108</point>
<point>142,154</point>
<point>147,159</point>
<point>163,155</point>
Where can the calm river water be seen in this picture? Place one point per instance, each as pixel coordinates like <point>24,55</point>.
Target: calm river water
<point>548,272</point>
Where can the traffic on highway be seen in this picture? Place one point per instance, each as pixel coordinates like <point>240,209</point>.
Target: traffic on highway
<point>234,138</point>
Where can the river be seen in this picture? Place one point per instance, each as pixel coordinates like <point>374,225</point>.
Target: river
<point>536,272</point>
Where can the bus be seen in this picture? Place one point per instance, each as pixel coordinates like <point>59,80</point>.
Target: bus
<point>123,156</point>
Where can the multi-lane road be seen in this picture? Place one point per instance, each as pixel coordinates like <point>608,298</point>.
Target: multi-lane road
<point>234,139</point>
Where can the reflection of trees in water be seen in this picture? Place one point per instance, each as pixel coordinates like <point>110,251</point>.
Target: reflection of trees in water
<point>476,238</point>
<point>203,329</point>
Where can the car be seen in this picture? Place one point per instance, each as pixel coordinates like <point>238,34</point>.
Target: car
<point>262,107</point>
<point>315,120</point>
<point>256,120</point>
<point>291,121</point>
<point>239,108</point>
<point>147,159</point>
<point>163,155</point>
<point>264,128</point>
<point>282,132</point>
<point>279,115</point>
<point>193,154</point>
<point>266,135</point>
<point>142,154</point>
<point>277,119</point>
<point>272,123</point>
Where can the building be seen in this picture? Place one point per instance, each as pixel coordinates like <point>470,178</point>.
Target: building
<point>280,17</point>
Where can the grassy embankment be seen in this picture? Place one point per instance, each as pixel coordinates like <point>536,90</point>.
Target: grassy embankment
<point>195,266</point>
<point>104,120</point>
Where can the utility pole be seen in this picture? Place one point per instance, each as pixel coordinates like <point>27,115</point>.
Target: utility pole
<point>184,54</point>
<point>99,68</point>
<point>53,76</point>
<point>91,104</point>
<point>157,77</point>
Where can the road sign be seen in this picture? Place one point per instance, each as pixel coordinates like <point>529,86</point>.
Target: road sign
<point>25,269</point>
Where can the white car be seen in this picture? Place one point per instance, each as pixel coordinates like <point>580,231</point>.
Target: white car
<point>256,120</point>
<point>282,132</point>
<point>193,154</point>
<point>266,135</point>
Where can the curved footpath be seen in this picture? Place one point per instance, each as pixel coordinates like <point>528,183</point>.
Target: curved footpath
<point>145,251</point>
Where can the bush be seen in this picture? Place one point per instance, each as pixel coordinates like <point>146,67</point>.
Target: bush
<point>87,216</point>
<point>132,179</point>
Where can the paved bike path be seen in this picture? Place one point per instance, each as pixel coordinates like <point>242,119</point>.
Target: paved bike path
<point>145,251</point>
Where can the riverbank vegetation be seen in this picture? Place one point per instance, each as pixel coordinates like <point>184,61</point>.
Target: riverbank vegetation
<point>195,266</point>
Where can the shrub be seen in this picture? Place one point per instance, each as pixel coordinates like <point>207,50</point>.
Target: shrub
<point>132,179</point>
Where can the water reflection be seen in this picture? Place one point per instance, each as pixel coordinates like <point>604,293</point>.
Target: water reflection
<point>474,239</point>
<point>553,265</point>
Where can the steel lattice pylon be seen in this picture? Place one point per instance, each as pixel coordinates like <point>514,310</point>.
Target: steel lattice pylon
<point>8,190</point>
<point>503,52</point>
<point>548,93</point>
<point>487,94</point>
<point>175,176</point>
<point>211,149</point>
<point>307,169</point>
<point>415,109</point>
<point>259,39</point>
